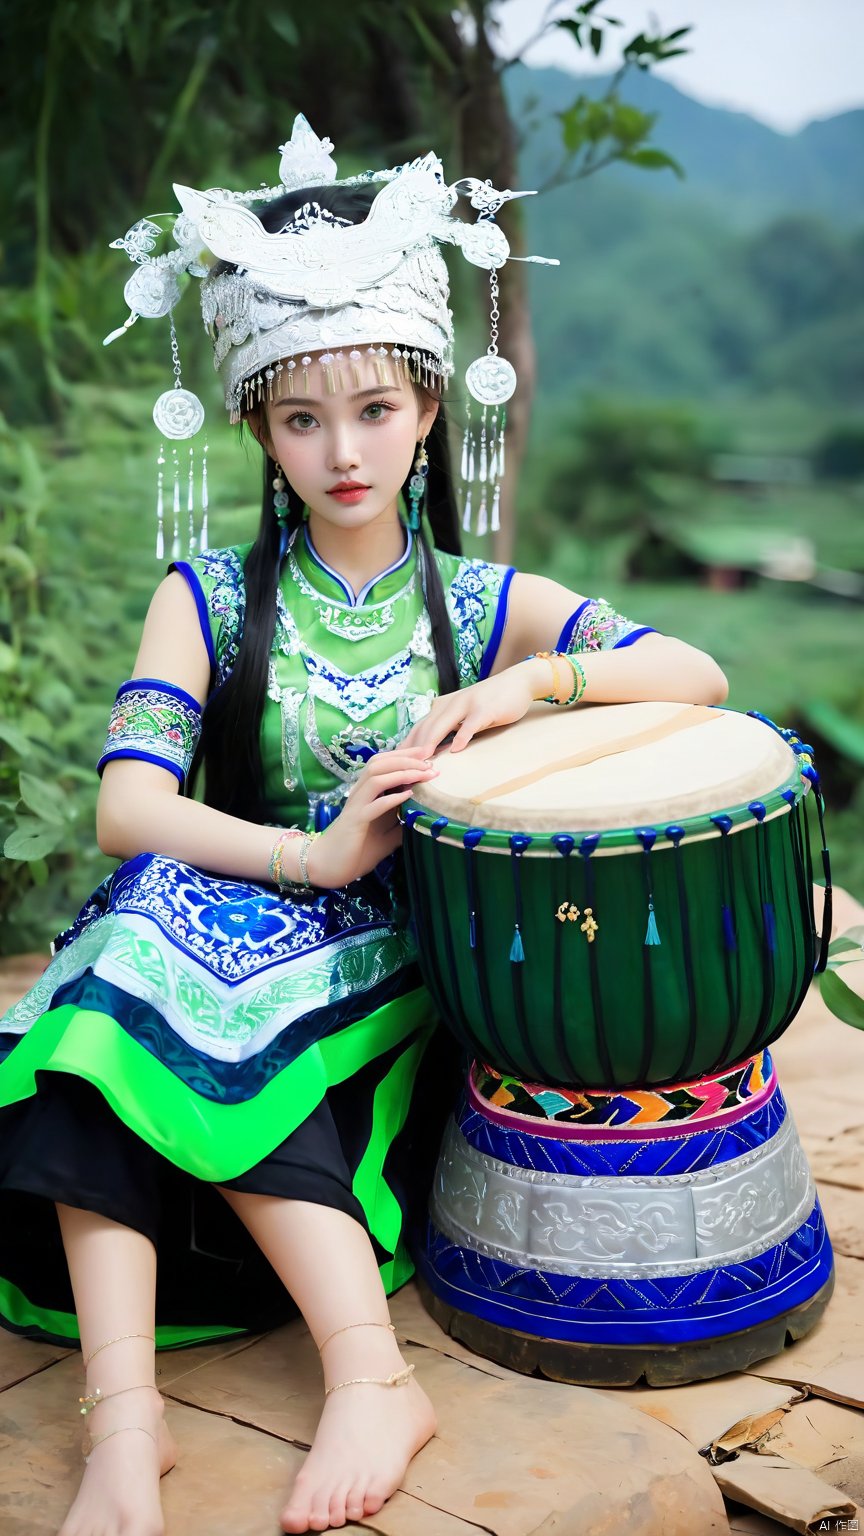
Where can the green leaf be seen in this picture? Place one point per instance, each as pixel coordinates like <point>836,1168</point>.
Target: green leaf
<point>31,840</point>
<point>46,800</point>
<point>596,40</point>
<point>849,943</point>
<point>843,731</point>
<point>15,738</point>
<point>653,160</point>
<point>284,27</point>
<point>574,28</point>
<point>846,1004</point>
<point>39,872</point>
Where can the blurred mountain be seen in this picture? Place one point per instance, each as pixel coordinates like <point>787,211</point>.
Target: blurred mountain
<point>742,280</point>
<point>733,163</point>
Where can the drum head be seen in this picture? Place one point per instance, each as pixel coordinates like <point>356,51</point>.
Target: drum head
<point>640,764</point>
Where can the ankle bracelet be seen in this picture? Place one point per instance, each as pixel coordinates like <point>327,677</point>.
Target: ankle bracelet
<point>91,1400</point>
<point>398,1379</point>
<point>123,1430</point>
<point>391,1326</point>
<point>121,1337</point>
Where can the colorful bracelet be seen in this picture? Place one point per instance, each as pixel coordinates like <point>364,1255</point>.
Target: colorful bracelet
<point>551,657</point>
<point>308,840</point>
<point>274,868</point>
<point>580,682</point>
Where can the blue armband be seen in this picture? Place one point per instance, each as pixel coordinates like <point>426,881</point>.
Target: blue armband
<point>155,722</point>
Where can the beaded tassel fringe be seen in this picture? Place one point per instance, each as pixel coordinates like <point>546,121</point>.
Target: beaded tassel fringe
<point>195,543</point>
<point>482,468</point>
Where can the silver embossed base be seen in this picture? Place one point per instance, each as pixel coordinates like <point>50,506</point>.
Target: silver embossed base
<point>634,1227</point>
<point>585,1261</point>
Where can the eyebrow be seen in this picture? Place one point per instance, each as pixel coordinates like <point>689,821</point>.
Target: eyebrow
<point>362,394</point>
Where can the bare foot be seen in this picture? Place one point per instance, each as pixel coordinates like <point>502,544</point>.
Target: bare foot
<point>120,1488</point>
<point>364,1442</point>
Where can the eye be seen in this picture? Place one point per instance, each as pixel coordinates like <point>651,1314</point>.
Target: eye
<point>381,407</point>
<point>302,421</point>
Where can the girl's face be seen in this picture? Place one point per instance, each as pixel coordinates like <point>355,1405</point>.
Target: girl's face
<point>362,439</point>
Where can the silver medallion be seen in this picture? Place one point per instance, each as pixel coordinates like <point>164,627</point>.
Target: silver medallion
<point>178,413</point>
<point>491,379</point>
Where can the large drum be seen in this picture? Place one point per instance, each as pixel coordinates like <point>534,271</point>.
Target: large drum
<point>614,914</point>
<point>619,895</point>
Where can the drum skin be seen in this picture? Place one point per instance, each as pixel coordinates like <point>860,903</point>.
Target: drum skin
<point>704,944</point>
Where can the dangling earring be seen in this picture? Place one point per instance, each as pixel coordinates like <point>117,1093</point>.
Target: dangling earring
<point>417,487</point>
<point>280,495</point>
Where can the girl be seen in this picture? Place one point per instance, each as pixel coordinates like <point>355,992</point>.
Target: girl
<point>231,1054</point>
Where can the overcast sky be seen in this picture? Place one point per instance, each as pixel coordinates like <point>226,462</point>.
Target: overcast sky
<point>783,61</point>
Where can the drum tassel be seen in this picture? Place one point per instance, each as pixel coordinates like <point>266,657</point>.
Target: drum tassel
<point>652,936</point>
<point>648,838</point>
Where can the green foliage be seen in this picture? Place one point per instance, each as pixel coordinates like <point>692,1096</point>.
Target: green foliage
<point>837,994</point>
<point>596,133</point>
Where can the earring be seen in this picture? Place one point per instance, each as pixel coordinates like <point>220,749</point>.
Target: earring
<point>280,495</point>
<point>417,487</point>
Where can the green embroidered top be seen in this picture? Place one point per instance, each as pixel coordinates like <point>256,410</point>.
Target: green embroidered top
<point>347,677</point>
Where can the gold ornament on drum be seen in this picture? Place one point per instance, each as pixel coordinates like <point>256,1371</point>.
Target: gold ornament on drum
<point>568,912</point>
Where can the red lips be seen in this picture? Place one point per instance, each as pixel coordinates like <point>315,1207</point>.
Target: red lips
<point>348,485</point>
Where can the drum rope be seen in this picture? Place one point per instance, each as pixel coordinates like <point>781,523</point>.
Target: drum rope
<point>676,834</point>
<point>692,715</point>
<point>730,939</point>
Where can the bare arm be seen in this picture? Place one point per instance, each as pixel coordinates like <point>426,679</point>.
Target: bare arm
<point>653,667</point>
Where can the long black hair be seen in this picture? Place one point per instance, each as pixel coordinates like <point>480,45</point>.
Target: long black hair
<point>230,742</point>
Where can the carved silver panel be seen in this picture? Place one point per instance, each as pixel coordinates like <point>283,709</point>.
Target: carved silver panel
<point>634,1227</point>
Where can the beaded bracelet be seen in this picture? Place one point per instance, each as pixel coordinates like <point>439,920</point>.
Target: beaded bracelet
<point>580,681</point>
<point>550,656</point>
<point>308,840</point>
<point>274,868</point>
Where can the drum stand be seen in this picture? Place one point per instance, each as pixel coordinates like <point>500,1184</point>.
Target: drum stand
<point>611,1238</point>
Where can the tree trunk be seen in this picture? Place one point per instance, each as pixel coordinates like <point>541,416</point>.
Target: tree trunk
<point>487,145</point>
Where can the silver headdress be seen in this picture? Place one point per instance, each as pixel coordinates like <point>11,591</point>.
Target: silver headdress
<point>322,282</point>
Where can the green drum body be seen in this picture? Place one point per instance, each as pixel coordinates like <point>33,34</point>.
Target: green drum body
<point>620,895</point>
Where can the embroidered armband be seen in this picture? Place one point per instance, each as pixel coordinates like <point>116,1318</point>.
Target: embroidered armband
<point>155,722</point>
<point>595,626</point>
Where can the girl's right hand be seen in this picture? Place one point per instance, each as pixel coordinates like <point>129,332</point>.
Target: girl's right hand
<point>367,829</point>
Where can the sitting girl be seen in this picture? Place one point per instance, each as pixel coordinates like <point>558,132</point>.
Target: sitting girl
<point>231,1058</point>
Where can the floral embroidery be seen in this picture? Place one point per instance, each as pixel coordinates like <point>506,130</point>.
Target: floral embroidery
<point>155,721</point>
<point>599,627</point>
<point>471,601</point>
<point>220,572</point>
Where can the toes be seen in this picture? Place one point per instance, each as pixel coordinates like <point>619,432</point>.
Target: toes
<point>319,1514</point>
<point>337,1505</point>
<point>355,1502</point>
<point>377,1493</point>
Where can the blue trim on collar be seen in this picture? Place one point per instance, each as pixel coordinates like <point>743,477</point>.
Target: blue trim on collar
<point>364,592</point>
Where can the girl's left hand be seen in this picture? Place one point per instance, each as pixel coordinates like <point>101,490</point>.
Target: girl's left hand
<point>496,701</point>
